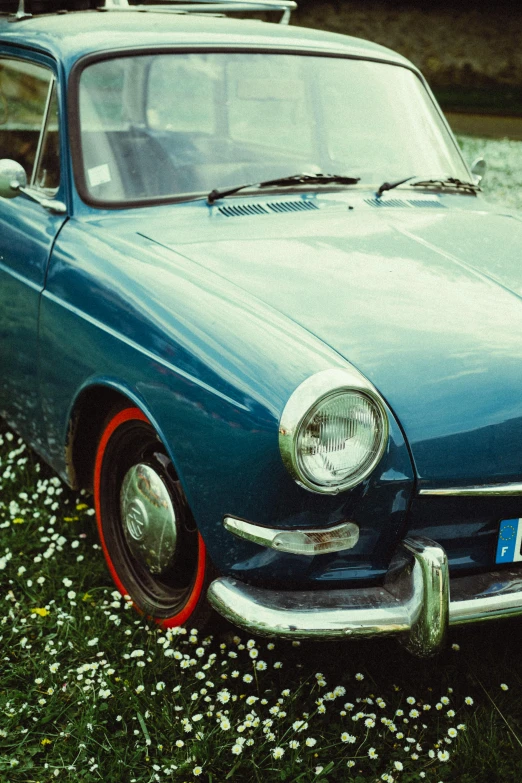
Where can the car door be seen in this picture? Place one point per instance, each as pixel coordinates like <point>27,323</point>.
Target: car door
<point>29,225</point>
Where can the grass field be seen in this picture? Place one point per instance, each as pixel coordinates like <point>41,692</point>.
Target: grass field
<point>503,181</point>
<point>90,692</point>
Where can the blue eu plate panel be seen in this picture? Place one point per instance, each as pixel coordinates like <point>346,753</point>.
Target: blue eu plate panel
<point>509,541</point>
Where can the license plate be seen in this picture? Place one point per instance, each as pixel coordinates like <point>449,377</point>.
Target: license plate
<point>509,541</point>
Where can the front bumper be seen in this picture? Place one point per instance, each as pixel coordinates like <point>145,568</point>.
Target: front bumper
<point>417,602</point>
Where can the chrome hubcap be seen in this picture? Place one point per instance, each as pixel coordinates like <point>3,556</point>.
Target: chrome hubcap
<point>149,518</point>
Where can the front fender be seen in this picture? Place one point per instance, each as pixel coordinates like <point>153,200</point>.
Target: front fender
<point>212,367</point>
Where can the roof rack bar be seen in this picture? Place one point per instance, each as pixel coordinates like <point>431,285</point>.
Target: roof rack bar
<point>21,13</point>
<point>206,6</point>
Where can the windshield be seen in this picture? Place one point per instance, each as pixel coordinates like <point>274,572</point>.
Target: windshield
<point>166,125</point>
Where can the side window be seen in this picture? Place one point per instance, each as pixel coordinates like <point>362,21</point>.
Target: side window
<point>27,103</point>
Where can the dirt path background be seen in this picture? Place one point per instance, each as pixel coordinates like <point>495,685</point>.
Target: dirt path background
<point>486,126</point>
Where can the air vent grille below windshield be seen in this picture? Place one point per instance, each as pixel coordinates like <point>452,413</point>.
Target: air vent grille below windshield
<point>291,206</point>
<point>248,210</point>
<point>391,202</point>
<point>397,202</point>
<point>426,203</point>
<point>243,209</point>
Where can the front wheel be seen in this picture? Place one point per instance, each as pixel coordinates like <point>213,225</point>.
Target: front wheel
<point>148,535</point>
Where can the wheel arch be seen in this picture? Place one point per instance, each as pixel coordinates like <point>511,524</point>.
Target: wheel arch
<point>86,420</point>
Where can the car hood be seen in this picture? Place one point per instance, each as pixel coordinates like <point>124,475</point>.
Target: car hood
<point>426,303</point>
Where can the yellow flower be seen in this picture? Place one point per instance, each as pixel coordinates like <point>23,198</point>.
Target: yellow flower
<point>41,612</point>
<point>46,741</point>
<point>18,521</point>
<point>86,597</point>
<point>81,506</point>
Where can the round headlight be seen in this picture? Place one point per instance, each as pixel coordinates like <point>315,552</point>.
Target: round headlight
<point>333,431</point>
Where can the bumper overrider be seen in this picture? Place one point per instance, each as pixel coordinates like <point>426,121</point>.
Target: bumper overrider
<point>417,602</point>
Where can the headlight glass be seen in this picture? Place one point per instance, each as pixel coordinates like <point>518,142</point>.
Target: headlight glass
<point>333,430</point>
<point>339,438</point>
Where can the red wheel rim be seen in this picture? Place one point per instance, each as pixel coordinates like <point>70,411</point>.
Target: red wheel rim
<point>135,414</point>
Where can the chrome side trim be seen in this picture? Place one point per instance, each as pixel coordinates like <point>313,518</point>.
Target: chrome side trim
<point>486,490</point>
<point>320,540</point>
<point>414,602</point>
<point>51,204</point>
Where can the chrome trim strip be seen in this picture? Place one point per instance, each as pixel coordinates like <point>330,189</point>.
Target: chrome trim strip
<point>479,491</point>
<point>56,207</point>
<point>414,602</point>
<point>255,533</point>
<point>329,539</point>
<point>127,341</point>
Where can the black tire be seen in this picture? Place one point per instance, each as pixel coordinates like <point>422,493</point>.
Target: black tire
<point>135,485</point>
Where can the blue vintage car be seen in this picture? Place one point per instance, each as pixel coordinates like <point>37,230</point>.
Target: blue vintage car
<point>251,295</point>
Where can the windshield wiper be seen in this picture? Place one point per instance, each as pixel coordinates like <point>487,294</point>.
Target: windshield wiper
<point>444,183</point>
<point>448,183</point>
<point>294,179</point>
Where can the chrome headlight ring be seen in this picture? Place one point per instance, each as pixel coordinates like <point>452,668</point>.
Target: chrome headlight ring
<point>306,407</point>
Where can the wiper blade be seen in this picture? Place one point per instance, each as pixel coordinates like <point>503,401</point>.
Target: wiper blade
<point>448,183</point>
<point>444,183</point>
<point>294,179</point>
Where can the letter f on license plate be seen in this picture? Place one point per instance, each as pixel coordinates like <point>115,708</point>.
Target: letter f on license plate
<point>509,541</point>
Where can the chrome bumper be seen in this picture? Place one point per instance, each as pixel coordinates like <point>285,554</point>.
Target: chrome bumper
<point>417,602</point>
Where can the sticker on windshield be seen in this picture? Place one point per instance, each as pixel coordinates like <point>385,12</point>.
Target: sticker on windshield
<point>509,541</point>
<point>99,175</point>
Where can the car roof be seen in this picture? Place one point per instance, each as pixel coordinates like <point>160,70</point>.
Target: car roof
<point>67,37</point>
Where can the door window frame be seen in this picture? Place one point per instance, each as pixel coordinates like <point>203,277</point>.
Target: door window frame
<point>42,60</point>
<point>40,147</point>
